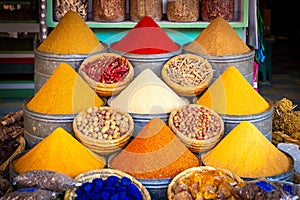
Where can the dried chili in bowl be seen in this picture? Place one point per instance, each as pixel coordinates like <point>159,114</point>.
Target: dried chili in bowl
<point>107,69</point>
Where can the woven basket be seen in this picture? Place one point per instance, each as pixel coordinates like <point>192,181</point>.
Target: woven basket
<point>104,174</point>
<point>186,173</point>
<point>279,136</point>
<point>195,145</point>
<point>185,90</point>
<point>104,89</point>
<point>104,147</point>
<point>4,168</point>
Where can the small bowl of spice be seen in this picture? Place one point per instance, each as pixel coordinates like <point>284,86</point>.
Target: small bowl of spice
<point>107,184</point>
<point>187,74</point>
<point>107,73</point>
<point>206,182</point>
<point>198,127</point>
<point>104,130</point>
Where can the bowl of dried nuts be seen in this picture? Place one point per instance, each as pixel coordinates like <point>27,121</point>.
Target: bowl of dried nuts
<point>187,74</point>
<point>107,73</point>
<point>198,127</point>
<point>104,129</point>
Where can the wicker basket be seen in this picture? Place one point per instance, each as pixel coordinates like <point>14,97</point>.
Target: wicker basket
<point>186,173</point>
<point>4,168</point>
<point>102,146</point>
<point>279,136</point>
<point>104,174</point>
<point>195,145</point>
<point>185,90</point>
<point>104,89</point>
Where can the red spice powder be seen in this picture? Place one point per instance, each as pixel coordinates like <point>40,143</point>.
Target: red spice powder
<point>146,37</point>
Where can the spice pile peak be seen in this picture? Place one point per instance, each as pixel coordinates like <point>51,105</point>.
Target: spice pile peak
<point>147,94</point>
<point>155,152</point>
<point>71,36</point>
<point>246,152</point>
<point>65,92</point>
<point>146,37</point>
<point>59,152</point>
<point>232,94</point>
<point>218,39</point>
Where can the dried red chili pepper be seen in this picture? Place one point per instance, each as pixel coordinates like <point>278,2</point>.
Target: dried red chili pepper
<point>107,69</point>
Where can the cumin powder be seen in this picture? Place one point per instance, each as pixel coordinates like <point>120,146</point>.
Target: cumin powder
<point>218,39</point>
<point>232,94</point>
<point>71,36</point>
<point>155,153</point>
<point>59,152</point>
<point>246,152</point>
<point>65,92</point>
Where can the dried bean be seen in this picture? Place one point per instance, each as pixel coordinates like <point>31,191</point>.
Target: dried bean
<point>196,122</point>
<point>103,123</point>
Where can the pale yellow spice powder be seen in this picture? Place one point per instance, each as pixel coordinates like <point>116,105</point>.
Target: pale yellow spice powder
<point>65,92</point>
<point>71,36</point>
<point>232,94</point>
<point>246,152</point>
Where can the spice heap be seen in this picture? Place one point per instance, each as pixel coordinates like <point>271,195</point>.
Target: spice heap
<point>146,37</point>
<point>246,152</point>
<point>65,92</point>
<point>71,36</point>
<point>231,94</point>
<point>154,153</point>
<point>147,94</point>
<point>218,39</point>
<point>59,152</point>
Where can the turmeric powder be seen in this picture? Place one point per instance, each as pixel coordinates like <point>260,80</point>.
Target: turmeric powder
<point>155,152</point>
<point>65,92</point>
<point>218,39</point>
<point>246,152</point>
<point>59,152</point>
<point>232,94</point>
<point>71,36</point>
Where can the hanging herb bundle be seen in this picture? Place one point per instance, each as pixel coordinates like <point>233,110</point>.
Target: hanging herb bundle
<point>286,119</point>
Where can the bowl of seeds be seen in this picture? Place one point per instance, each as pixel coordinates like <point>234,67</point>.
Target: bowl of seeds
<point>104,129</point>
<point>198,127</point>
<point>107,73</point>
<point>187,74</point>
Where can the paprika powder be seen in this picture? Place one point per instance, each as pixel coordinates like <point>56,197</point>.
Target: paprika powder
<point>146,37</point>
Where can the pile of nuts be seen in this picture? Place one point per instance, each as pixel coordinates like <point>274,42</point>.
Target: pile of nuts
<point>196,122</point>
<point>187,71</point>
<point>102,123</point>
